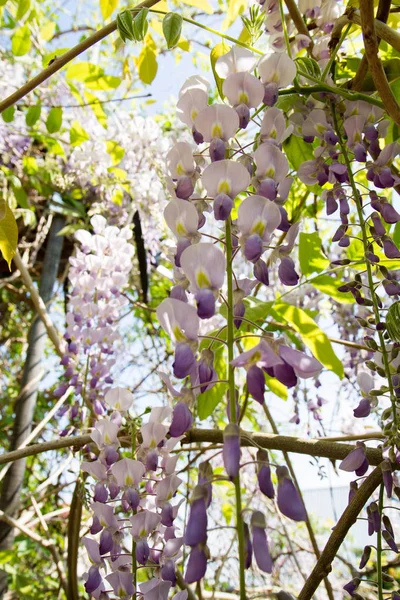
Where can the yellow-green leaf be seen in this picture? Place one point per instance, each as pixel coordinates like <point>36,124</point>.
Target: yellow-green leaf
<point>276,387</point>
<point>235,8</point>
<point>107,7</point>
<point>21,41</point>
<point>8,234</point>
<point>23,7</point>
<point>216,52</point>
<point>54,119</point>
<point>203,5</point>
<point>312,259</point>
<point>116,152</point>
<point>146,62</point>
<point>47,30</point>
<point>312,336</point>
<point>77,135</point>
<point>97,108</point>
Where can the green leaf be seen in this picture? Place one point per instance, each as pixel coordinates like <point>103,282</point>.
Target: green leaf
<point>107,7</point>
<point>297,151</point>
<point>329,285</point>
<point>172,28</point>
<point>313,337</point>
<point>33,115</point>
<point>21,41</point>
<point>216,52</point>
<point>396,234</point>
<point>203,5</point>
<point>227,512</point>
<point>312,260</point>
<point>23,7</point>
<point>125,25</point>
<point>140,24</point>
<point>8,114</point>
<point>146,62</point>
<point>93,76</point>
<point>97,108</point>
<point>256,309</point>
<point>116,152</point>
<point>8,234</point>
<point>54,119</point>
<point>208,401</point>
<point>276,387</point>
<point>77,134</point>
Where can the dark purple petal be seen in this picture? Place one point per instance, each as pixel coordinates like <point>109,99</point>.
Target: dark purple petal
<point>167,515</point>
<point>331,204</point>
<point>365,556</point>
<point>390,249</point>
<point>256,383</point>
<point>260,543</point>
<point>243,113</point>
<point>260,272</point>
<point>390,541</point>
<point>287,272</point>
<point>285,374</point>
<point>223,205</point>
<point>217,149</point>
<point>352,585</point>
<point>231,449</point>
<point>100,493</point>
<point>289,501</point>
<point>284,224</point>
<point>106,541</point>
<point>360,153</point>
<point>378,225</point>
<point>270,94</point>
<point>265,481</point>
<point>142,552</point>
<point>182,420</point>
<point>184,188</point>
<point>363,409</point>
<point>354,460</point>
<point>168,572</point>
<point>205,301</point>
<point>253,248</point>
<point>387,477</point>
<point>196,528</point>
<point>94,580</point>
<point>197,136</point>
<point>182,244</point>
<point>196,566</point>
<point>389,214</point>
<point>238,311</point>
<point>363,469</point>
<point>268,188</point>
<point>248,548</point>
<point>184,360</point>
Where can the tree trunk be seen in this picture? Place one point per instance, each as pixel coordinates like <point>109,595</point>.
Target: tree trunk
<point>26,402</point>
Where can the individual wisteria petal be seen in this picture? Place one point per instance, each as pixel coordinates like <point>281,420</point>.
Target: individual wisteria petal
<point>270,162</point>
<point>355,459</point>
<point>178,319</point>
<point>225,177</point>
<point>363,409</point>
<point>260,542</point>
<point>222,206</point>
<point>217,121</point>
<point>128,472</point>
<point>285,374</point>
<point>365,556</point>
<point>273,126</point>
<point>182,218</point>
<point>105,514</point>
<point>260,272</point>
<point>261,355</point>
<point>195,82</point>
<point>121,583</point>
<point>304,366</point>
<point>182,420</point>
<point>390,541</point>
<point>352,585</point>
<point>155,589</point>
<point>143,523</point>
<point>197,564</point>
<point>153,434</point>
<point>190,104</point>
<point>257,216</point>
<point>184,360</point>
<point>93,550</point>
<point>207,373</point>
<point>289,501</point>
<point>180,160</point>
<point>287,271</point>
<point>93,580</point>
<point>119,399</point>
<point>168,572</point>
<point>243,88</point>
<point>205,480</point>
<point>105,433</point>
<point>248,546</point>
<point>264,474</point>
<point>237,60</point>
<point>255,381</point>
<point>374,518</point>
<point>277,68</point>
<point>166,488</point>
<point>231,450</point>
<point>204,266</point>
<point>196,526</point>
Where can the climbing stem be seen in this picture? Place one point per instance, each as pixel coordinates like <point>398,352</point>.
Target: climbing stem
<point>379,546</point>
<point>371,286</point>
<point>232,400</point>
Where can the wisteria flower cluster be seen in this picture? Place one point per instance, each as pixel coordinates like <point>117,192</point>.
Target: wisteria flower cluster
<point>98,273</point>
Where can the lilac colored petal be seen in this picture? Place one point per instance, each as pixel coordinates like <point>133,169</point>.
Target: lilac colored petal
<point>253,248</point>
<point>304,366</point>
<point>204,266</point>
<point>285,374</point>
<point>365,556</point>
<point>248,546</point>
<point>196,566</point>
<point>222,206</point>
<point>260,271</point>
<point>362,469</point>
<point>196,527</point>
<point>237,60</point>
<point>260,543</point>
<point>256,383</point>
<point>168,572</point>
<point>354,460</point>
<point>178,319</point>
<point>243,88</point>
<point>277,68</point>
<point>363,409</point>
<point>225,177</point>
<point>231,449</point>
<point>94,580</point>
<point>182,420</point>
<point>287,272</point>
<point>389,214</point>
<point>217,120</point>
<point>289,501</point>
<point>184,361</point>
<point>181,217</point>
<point>217,149</point>
<point>205,301</point>
<point>270,162</point>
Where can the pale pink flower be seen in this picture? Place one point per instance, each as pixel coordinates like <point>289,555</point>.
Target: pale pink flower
<point>217,121</point>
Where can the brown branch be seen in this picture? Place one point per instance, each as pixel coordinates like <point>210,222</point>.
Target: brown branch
<point>297,19</point>
<point>60,62</point>
<point>375,65</point>
<point>382,15</point>
<point>383,31</point>
<point>348,518</point>
<point>284,443</point>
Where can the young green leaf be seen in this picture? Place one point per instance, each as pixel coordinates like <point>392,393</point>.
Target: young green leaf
<point>216,52</point>
<point>33,115</point>
<point>172,28</point>
<point>107,7</point>
<point>21,41</point>
<point>312,260</point>
<point>8,234</point>
<point>125,26</point>
<point>8,114</point>
<point>140,24</point>
<point>54,120</point>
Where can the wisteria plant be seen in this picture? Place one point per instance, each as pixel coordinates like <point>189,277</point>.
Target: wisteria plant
<point>284,139</point>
